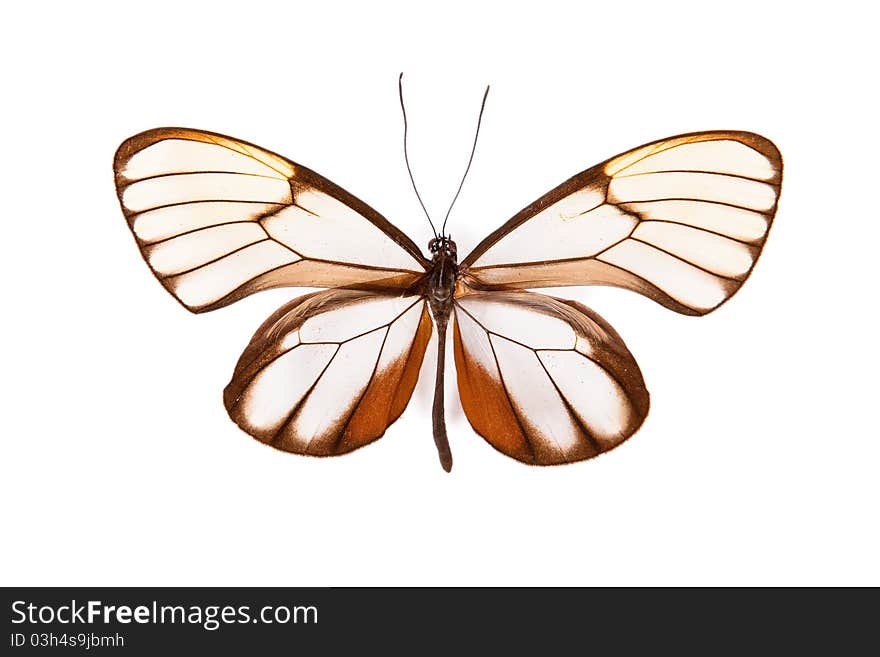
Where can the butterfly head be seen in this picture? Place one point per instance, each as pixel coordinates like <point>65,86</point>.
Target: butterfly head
<point>443,245</point>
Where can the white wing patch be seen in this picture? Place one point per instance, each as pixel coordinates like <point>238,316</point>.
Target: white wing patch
<point>180,188</point>
<point>561,233</point>
<point>711,187</point>
<point>319,226</point>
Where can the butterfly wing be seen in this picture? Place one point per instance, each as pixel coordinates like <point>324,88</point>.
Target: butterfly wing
<point>681,220</point>
<point>330,371</point>
<point>542,379</point>
<point>217,219</point>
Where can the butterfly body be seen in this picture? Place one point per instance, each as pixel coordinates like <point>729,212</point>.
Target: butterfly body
<point>441,286</point>
<point>543,379</point>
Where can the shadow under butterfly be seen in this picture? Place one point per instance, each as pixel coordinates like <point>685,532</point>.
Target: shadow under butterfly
<point>544,380</point>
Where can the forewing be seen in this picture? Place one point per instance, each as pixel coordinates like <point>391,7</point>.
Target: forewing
<point>544,380</point>
<point>330,371</point>
<point>217,219</point>
<point>682,221</point>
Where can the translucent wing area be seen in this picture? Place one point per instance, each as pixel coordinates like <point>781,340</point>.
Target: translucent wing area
<point>217,219</point>
<point>681,220</point>
<point>330,371</point>
<point>544,380</point>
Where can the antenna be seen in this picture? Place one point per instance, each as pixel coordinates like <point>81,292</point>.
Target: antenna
<point>406,156</point>
<point>471,159</point>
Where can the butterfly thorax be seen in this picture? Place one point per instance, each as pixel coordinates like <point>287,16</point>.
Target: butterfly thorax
<point>441,277</point>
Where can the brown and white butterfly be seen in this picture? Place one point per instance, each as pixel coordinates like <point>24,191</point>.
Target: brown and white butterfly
<point>543,379</point>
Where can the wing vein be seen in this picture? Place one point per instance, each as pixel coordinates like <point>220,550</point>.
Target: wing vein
<point>491,332</point>
<point>191,173</point>
<point>213,260</point>
<point>501,374</point>
<point>375,328</point>
<point>713,173</point>
<point>359,266</point>
<point>245,153</point>
<point>304,209</point>
<point>509,399</point>
<point>568,407</point>
<point>340,342</point>
<point>692,200</point>
<point>547,262</point>
<point>708,230</point>
<point>338,439</point>
<point>686,261</point>
<point>295,410</point>
<point>409,350</point>
<point>200,229</point>
<point>204,200</point>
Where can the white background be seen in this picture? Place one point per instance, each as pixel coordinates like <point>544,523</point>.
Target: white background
<point>758,463</point>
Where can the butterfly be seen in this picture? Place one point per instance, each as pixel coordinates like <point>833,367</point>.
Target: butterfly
<point>543,379</point>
